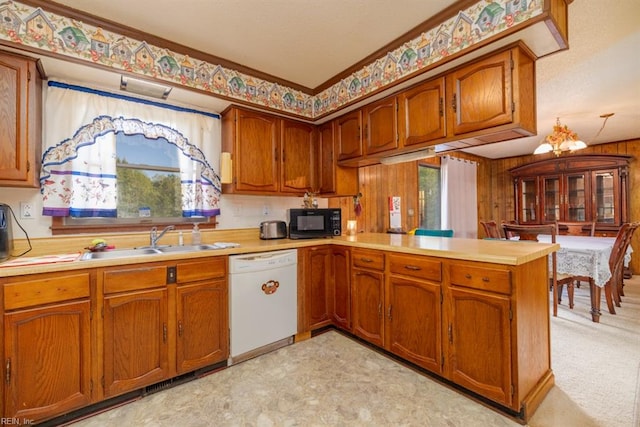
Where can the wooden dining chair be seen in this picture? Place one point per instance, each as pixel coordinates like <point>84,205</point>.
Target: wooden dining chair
<point>617,288</point>
<point>510,235</point>
<point>616,263</point>
<point>531,232</point>
<point>491,229</point>
<point>587,228</point>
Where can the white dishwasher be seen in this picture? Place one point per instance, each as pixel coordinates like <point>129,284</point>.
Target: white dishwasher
<point>263,302</point>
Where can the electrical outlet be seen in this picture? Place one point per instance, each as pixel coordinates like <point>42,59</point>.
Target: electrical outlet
<point>26,210</point>
<point>265,210</point>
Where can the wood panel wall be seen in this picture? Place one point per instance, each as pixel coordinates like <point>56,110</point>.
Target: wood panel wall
<point>495,190</point>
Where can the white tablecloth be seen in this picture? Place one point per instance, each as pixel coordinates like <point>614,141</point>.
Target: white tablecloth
<point>585,256</point>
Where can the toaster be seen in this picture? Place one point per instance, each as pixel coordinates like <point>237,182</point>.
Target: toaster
<point>273,230</point>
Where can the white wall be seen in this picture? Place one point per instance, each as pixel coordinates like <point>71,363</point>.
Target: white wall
<point>236,211</point>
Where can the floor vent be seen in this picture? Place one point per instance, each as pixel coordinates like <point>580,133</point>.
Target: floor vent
<point>163,385</point>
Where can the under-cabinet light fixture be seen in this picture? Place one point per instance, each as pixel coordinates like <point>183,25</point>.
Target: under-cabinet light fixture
<point>143,87</point>
<point>408,157</point>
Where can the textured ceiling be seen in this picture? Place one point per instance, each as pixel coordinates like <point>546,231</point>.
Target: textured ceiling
<point>308,42</point>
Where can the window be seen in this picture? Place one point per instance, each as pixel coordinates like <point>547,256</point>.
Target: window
<point>429,196</point>
<point>148,177</point>
<point>121,164</point>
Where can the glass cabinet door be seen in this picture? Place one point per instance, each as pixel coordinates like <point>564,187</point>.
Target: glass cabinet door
<point>604,196</point>
<point>552,198</point>
<point>576,198</point>
<point>527,192</point>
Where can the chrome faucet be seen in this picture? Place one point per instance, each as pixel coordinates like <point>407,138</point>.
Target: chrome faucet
<point>154,237</point>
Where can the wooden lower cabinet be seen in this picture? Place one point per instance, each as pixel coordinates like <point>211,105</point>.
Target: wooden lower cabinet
<point>47,344</point>
<point>413,310</point>
<point>317,278</point>
<point>135,326</point>
<point>479,340</point>
<point>202,313</point>
<point>367,295</point>
<point>163,319</point>
<point>340,291</point>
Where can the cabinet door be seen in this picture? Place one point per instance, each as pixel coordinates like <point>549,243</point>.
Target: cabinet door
<point>527,199</point>
<point>551,198</point>
<point>577,203</point>
<point>20,112</point>
<point>317,286</point>
<point>381,130</point>
<point>341,294</point>
<point>48,360</point>
<point>136,346</point>
<point>202,322</point>
<point>349,135</point>
<point>256,152</point>
<point>479,343</point>
<point>481,95</point>
<point>327,160</point>
<point>421,113</point>
<point>607,206</point>
<point>414,321</point>
<point>297,159</point>
<point>367,293</point>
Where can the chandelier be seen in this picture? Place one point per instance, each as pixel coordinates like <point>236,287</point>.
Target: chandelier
<point>561,139</point>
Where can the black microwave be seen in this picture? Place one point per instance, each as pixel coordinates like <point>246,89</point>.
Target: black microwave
<point>310,223</point>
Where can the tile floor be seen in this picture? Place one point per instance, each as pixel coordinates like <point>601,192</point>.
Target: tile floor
<point>329,380</point>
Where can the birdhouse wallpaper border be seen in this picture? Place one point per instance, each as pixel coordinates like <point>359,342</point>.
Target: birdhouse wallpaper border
<point>25,25</point>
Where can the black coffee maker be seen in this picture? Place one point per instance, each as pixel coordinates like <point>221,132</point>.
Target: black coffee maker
<point>6,235</point>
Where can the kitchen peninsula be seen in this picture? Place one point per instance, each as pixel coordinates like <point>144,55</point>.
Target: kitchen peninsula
<point>474,313</point>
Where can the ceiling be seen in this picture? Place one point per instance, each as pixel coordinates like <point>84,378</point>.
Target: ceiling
<point>307,42</point>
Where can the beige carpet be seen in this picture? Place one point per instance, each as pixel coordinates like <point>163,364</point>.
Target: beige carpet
<point>596,366</point>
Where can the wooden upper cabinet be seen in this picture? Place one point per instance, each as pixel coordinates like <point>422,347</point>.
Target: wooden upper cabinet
<point>252,138</point>
<point>421,113</point>
<point>270,155</point>
<point>298,162</point>
<point>332,179</point>
<point>381,130</point>
<point>327,159</point>
<point>349,135</point>
<point>481,94</point>
<point>20,109</point>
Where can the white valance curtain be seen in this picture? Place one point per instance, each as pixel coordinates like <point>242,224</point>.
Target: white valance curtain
<point>459,196</point>
<point>78,176</point>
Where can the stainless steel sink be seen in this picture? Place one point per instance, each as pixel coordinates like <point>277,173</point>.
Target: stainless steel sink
<point>186,248</point>
<point>147,250</point>
<point>119,253</point>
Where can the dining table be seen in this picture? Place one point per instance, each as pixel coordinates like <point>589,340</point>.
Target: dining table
<point>586,256</point>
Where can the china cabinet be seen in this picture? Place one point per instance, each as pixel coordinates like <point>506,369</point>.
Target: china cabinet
<point>574,188</point>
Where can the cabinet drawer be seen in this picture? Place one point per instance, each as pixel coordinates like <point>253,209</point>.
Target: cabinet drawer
<point>368,259</point>
<point>208,268</point>
<point>416,266</point>
<point>46,290</point>
<point>487,279</point>
<point>135,278</point>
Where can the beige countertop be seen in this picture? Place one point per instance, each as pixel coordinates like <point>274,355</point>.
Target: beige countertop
<point>490,251</point>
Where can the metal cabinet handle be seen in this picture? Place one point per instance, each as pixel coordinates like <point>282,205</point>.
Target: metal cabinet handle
<point>379,309</point>
<point>486,279</point>
<point>366,260</point>
<point>8,371</point>
<point>412,267</point>
<point>467,276</point>
<point>389,312</point>
<point>164,332</point>
<point>180,328</point>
